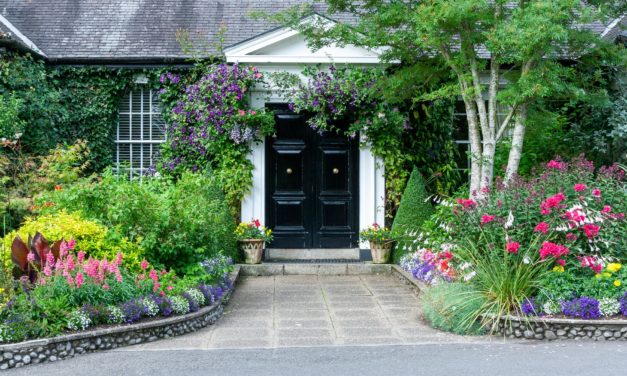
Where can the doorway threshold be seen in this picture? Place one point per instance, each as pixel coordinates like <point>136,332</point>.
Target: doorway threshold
<point>312,255</point>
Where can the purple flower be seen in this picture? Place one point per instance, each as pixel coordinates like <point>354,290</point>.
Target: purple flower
<point>530,307</point>
<point>132,310</point>
<point>623,304</point>
<point>584,307</point>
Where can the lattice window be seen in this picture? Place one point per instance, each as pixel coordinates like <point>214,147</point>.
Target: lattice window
<point>140,132</point>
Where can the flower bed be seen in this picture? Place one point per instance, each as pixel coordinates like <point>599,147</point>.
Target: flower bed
<point>110,337</point>
<point>551,245</point>
<point>64,290</point>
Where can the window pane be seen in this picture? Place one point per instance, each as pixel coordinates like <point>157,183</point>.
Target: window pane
<point>460,128</point>
<point>124,130</point>
<point>462,156</point>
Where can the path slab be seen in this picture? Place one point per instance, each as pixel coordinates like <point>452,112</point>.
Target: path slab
<point>315,310</point>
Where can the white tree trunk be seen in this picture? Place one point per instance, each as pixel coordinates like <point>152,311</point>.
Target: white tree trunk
<point>476,149</point>
<point>517,143</point>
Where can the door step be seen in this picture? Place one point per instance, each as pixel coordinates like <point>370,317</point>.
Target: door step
<point>312,254</point>
<point>352,268</point>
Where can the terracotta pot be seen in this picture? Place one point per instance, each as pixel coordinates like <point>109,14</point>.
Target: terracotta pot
<point>253,250</point>
<point>381,251</point>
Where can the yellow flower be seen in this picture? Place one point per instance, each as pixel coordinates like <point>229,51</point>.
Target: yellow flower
<point>617,283</point>
<point>597,276</point>
<point>607,275</point>
<point>613,267</point>
<point>558,269</point>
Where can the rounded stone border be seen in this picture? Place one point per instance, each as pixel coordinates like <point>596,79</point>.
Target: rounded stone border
<point>542,328</point>
<point>111,337</point>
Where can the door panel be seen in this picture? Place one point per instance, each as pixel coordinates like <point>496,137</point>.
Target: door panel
<point>311,184</point>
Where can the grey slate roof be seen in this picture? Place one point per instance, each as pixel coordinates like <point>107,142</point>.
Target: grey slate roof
<point>135,29</point>
<point>143,30</point>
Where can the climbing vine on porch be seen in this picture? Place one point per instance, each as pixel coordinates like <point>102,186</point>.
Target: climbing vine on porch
<point>211,127</point>
<point>401,135</point>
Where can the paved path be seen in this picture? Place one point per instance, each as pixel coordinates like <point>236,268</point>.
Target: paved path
<point>309,310</point>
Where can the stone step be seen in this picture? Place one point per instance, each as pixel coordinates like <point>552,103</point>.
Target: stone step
<point>275,268</point>
<point>272,254</point>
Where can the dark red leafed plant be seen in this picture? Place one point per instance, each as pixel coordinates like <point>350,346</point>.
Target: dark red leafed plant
<point>32,257</point>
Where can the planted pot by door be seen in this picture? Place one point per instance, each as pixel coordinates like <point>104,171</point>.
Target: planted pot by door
<point>381,251</point>
<point>252,237</point>
<point>381,242</point>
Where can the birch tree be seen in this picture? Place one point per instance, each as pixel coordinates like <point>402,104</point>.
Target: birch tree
<point>501,56</point>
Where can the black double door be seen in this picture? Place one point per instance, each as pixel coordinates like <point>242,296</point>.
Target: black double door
<point>311,185</point>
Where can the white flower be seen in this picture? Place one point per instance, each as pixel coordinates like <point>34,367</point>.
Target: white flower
<point>78,320</point>
<point>526,260</point>
<point>381,115</point>
<point>469,276</point>
<point>510,220</point>
<point>609,306</point>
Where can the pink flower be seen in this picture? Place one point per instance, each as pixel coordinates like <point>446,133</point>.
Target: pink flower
<point>105,286</point>
<point>486,218</point>
<point>161,293</point>
<point>542,227</point>
<point>47,271</point>
<point>153,275</point>
<point>552,202</point>
<point>512,247</point>
<point>596,192</point>
<point>575,215</point>
<point>80,257</point>
<point>571,237</point>
<point>79,279</point>
<point>118,276</point>
<point>253,112</point>
<point>155,288</point>
<point>591,230</point>
<point>69,262</point>
<point>70,280</point>
<point>118,258</point>
<point>556,165</point>
<point>241,112</point>
<point>606,209</point>
<point>552,249</point>
<point>30,257</point>
<point>592,263</point>
<point>144,264</point>
<point>579,187</point>
<point>170,288</point>
<point>560,262</point>
<point>467,203</point>
<point>50,259</point>
<point>71,244</point>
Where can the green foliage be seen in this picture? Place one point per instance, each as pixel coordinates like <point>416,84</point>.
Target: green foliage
<point>91,237</point>
<point>212,132</point>
<point>11,126</point>
<point>177,224</point>
<point>453,307</point>
<point>414,209</point>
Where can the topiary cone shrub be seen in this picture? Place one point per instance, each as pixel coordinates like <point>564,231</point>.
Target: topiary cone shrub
<point>413,210</point>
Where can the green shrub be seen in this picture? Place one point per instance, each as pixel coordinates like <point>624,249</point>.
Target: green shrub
<point>177,224</point>
<point>91,237</point>
<point>453,307</point>
<point>414,209</point>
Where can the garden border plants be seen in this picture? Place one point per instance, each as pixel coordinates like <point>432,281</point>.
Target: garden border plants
<point>19,354</point>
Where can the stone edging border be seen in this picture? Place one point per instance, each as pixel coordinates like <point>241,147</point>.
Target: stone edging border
<point>68,345</point>
<point>562,328</point>
<point>539,328</point>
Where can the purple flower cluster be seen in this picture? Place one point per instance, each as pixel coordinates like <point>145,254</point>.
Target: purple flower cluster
<point>132,310</point>
<point>207,110</point>
<point>583,307</point>
<point>623,304</point>
<point>529,307</point>
<point>164,303</point>
<point>193,303</point>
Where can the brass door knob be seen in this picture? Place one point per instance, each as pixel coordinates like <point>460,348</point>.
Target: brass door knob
<point>336,171</point>
<point>289,171</point>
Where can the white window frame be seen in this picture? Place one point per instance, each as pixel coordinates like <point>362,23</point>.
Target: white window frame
<point>137,146</point>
